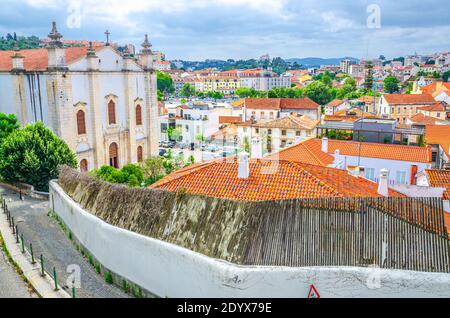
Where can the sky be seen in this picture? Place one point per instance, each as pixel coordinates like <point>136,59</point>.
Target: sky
<point>242,29</point>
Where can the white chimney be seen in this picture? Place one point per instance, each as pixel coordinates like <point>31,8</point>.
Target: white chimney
<point>337,158</point>
<point>92,59</point>
<point>256,151</point>
<point>243,166</point>
<point>325,144</point>
<point>17,61</point>
<point>383,183</point>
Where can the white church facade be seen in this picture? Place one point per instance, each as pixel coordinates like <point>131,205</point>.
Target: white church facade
<point>101,102</point>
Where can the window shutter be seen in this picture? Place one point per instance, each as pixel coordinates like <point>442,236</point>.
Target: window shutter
<point>112,112</point>
<point>140,154</point>
<point>138,115</point>
<point>81,123</point>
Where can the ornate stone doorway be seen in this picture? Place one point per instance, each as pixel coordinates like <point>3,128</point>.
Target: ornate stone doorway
<point>114,155</point>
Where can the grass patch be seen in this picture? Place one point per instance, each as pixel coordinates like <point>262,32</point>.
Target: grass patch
<point>137,292</point>
<point>98,269</point>
<point>125,286</point>
<point>109,278</point>
<point>91,260</point>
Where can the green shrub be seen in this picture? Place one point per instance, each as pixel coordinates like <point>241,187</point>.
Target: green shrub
<point>98,269</point>
<point>8,125</point>
<point>33,155</point>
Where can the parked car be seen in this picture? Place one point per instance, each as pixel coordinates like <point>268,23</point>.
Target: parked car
<point>212,148</point>
<point>162,152</point>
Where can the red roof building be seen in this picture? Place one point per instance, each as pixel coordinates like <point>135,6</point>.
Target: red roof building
<point>268,180</point>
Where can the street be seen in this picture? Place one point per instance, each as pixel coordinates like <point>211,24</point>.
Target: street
<point>48,239</point>
<point>11,284</point>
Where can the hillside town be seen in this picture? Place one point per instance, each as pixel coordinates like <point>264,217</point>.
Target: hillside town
<point>118,158</point>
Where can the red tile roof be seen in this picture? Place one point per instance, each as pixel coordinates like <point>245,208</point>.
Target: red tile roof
<point>431,89</point>
<point>310,151</point>
<point>335,103</point>
<point>366,99</point>
<point>424,120</point>
<point>229,120</point>
<point>409,99</point>
<point>440,179</point>
<point>438,135</point>
<point>268,180</point>
<point>289,122</point>
<point>278,103</point>
<point>437,107</point>
<point>37,59</point>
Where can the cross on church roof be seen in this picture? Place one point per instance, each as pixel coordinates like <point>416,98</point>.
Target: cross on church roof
<point>107,33</point>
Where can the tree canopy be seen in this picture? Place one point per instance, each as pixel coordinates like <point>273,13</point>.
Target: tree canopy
<point>8,124</point>
<point>165,83</point>
<point>319,92</point>
<point>188,90</point>
<point>391,84</point>
<point>33,155</point>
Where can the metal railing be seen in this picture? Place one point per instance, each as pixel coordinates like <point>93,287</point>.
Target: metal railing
<point>26,247</point>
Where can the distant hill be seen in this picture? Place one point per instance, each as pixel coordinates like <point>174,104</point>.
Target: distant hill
<point>317,61</point>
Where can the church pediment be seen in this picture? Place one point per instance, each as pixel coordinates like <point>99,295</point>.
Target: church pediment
<point>109,60</point>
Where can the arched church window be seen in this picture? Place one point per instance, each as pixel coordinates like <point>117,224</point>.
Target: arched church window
<point>138,115</point>
<point>112,112</point>
<point>81,122</point>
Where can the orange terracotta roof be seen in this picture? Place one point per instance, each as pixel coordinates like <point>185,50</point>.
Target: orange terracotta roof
<point>438,135</point>
<point>268,180</point>
<point>229,119</point>
<point>420,118</point>
<point>440,179</point>
<point>335,103</point>
<point>431,89</point>
<point>279,103</point>
<point>409,99</point>
<point>340,118</point>
<point>366,99</point>
<point>228,133</point>
<point>310,151</point>
<point>437,107</point>
<point>289,122</point>
<point>37,59</point>
<point>353,112</point>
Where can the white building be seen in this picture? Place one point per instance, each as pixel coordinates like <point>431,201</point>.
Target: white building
<point>336,106</point>
<point>103,104</point>
<point>257,109</point>
<point>162,66</point>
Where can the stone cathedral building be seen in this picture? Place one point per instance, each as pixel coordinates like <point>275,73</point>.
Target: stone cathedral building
<point>101,102</point>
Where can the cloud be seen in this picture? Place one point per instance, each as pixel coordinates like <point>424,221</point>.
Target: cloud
<point>335,23</point>
<point>199,29</point>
